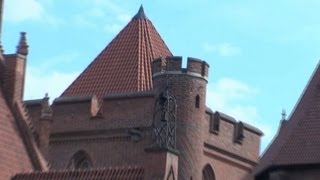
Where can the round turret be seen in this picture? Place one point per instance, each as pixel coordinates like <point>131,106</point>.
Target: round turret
<point>188,86</point>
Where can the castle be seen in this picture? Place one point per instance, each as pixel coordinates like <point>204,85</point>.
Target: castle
<point>133,113</point>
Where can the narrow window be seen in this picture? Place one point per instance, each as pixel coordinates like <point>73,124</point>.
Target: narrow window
<point>215,123</point>
<point>197,101</point>
<point>239,135</point>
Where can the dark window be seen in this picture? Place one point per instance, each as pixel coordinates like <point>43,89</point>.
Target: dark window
<point>208,173</point>
<point>83,164</point>
<point>215,122</point>
<point>197,101</point>
<point>80,160</point>
<point>239,135</point>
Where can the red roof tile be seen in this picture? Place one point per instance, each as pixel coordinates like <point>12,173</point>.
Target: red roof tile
<point>13,153</point>
<point>129,173</point>
<point>125,64</point>
<point>298,141</point>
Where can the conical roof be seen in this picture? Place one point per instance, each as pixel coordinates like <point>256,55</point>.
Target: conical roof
<point>125,64</point>
<point>298,140</point>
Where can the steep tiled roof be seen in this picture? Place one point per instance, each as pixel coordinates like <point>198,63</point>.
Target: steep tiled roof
<point>298,140</point>
<point>125,64</point>
<point>130,173</point>
<point>13,152</point>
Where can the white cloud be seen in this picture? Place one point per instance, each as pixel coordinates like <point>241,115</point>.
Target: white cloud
<point>29,10</point>
<point>235,98</point>
<point>113,28</point>
<point>222,49</point>
<point>124,18</point>
<point>55,62</point>
<point>83,21</point>
<point>21,10</point>
<point>107,4</point>
<point>114,15</point>
<point>96,12</point>
<point>48,76</point>
<point>226,91</point>
<point>54,83</point>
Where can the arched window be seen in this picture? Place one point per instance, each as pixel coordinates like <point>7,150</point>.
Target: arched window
<point>80,160</point>
<point>197,101</point>
<point>207,173</point>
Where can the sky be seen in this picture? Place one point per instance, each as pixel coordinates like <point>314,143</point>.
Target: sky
<point>261,53</point>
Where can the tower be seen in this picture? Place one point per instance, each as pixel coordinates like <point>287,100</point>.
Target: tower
<point>188,86</point>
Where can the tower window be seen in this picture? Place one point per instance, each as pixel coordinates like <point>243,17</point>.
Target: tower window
<point>197,101</point>
<point>215,123</point>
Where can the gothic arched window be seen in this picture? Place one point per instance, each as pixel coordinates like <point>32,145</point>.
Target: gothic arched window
<point>80,160</point>
<point>208,173</point>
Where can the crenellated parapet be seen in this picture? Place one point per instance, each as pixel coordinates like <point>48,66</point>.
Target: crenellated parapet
<point>173,65</point>
<point>232,138</point>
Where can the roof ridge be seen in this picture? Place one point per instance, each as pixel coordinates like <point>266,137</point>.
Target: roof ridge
<point>286,147</point>
<point>305,88</point>
<point>149,53</point>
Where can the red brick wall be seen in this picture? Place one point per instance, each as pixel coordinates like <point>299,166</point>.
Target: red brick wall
<point>14,76</point>
<point>225,167</point>
<point>249,148</point>
<point>107,139</point>
<point>116,113</point>
<point>105,149</point>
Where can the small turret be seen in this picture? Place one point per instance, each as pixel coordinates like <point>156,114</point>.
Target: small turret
<point>45,122</point>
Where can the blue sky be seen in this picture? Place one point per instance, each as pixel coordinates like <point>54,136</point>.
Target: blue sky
<point>261,53</point>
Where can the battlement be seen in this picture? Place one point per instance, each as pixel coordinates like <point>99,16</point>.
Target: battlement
<point>173,65</point>
<point>225,132</point>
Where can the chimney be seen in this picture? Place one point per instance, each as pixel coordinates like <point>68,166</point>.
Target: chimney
<point>45,122</point>
<point>15,67</point>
